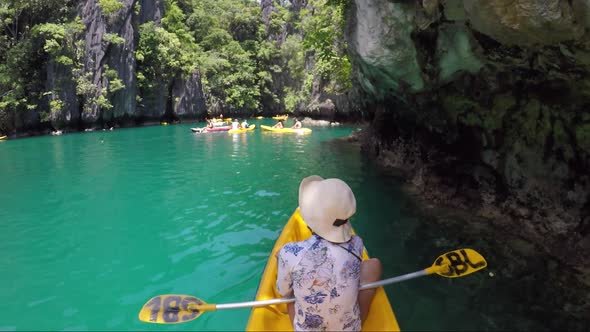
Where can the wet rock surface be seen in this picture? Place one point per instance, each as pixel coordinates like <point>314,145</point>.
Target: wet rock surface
<point>309,122</point>
<point>483,106</point>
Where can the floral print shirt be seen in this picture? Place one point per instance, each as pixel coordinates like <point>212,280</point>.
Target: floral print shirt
<point>325,281</point>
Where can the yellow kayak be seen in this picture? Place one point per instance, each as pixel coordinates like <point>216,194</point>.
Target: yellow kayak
<point>276,318</point>
<point>243,130</point>
<point>281,117</point>
<point>221,120</point>
<point>2,137</point>
<point>260,117</point>
<point>286,130</point>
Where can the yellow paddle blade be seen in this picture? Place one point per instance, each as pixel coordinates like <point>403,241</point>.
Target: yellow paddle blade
<point>458,263</point>
<point>171,309</point>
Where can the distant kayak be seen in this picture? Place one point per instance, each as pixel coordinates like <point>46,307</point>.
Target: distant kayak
<point>3,137</point>
<point>219,123</point>
<point>242,130</point>
<point>286,130</point>
<point>202,130</point>
<point>164,123</point>
<point>281,117</point>
<point>214,120</point>
<point>260,117</point>
<point>225,128</point>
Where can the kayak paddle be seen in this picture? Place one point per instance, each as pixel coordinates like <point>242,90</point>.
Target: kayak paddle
<point>175,308</point>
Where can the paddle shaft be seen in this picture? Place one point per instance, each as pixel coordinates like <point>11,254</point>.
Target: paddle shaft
<point>263,303</point>
<point>166,309</point>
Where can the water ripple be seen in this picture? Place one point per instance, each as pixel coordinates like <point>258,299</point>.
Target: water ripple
<point>264,193</point>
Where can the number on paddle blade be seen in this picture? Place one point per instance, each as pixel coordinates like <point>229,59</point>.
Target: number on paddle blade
<point>461,262</point>
<point>170,309</point>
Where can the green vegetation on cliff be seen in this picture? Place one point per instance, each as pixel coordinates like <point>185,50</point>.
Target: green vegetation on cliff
<point>21,54</point>
<point>249,57</point>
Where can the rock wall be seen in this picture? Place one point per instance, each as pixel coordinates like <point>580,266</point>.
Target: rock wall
<point>61,82</point>
<point>485,105</point>
<point>100,52</point>
<point>320,104</point>
<point>188,97</point>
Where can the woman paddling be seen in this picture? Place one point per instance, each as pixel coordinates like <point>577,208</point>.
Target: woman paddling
<point>279,125</point>
<point>296,124</point>
<point>325,271</point>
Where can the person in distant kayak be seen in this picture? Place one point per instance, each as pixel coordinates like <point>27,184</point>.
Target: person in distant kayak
<point>324,272</point>
<point>279,125</point>
<point>245,124</point>
<point>235,124</point>
<point>209,126</point>
<point>296,124</point>
<point>206,128</point>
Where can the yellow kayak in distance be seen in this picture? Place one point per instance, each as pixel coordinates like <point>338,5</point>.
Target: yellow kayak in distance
<point>286,130</point>
<point>220,120</point>
<point>276,318</point>
<point>242,130</point>
<point>3,137</point>
<point>281,117</point>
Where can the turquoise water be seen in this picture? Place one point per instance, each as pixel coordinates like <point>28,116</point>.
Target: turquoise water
<point>95,224</point>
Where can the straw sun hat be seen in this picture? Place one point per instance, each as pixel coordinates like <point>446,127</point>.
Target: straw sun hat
<point>325,205</point>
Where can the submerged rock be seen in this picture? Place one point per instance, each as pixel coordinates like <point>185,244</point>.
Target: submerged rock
<point>309,122</point>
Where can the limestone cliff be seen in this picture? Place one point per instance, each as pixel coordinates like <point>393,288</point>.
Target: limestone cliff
<point>109,44</point>
<point>318,98</point>
<point>485,105</point>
